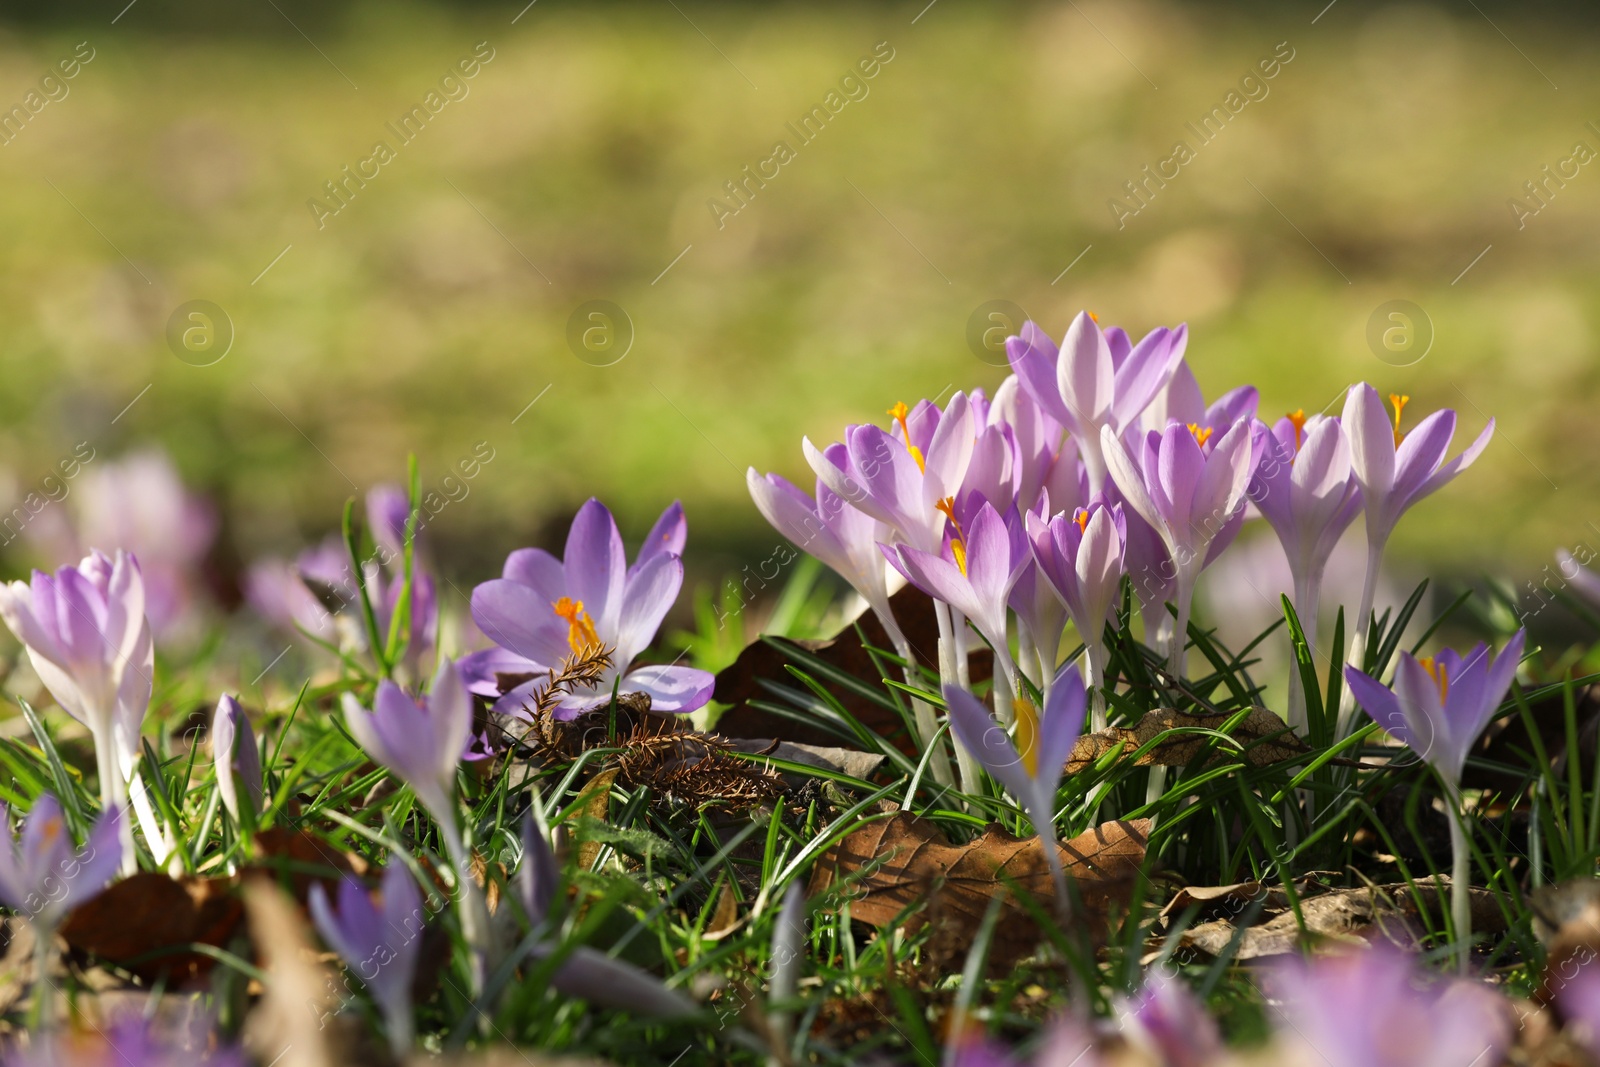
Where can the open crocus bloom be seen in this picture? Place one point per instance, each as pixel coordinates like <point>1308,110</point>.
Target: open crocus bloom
<point>45,875</point>
<point>1306,490</point>
<point>1098,379</point>
<point>547,610</point>
<point>1439,706</point>
<point>902,479</point>
<point>1366,1009</point>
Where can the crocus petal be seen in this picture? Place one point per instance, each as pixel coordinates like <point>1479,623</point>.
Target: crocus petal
<point>1145,371</point>
<point>669,534</point>
<point>595,564</point>
<point>672,690</point>
<point>516,617</point>
<point>1085,375</point>
<point>1129,479</point>
<point>539,877</point>
<point>538,570</point>
<point>1420,454</point>
<point>1061,724</point>
<point>1453,467</point>
<point>950,450</point>
<point>936,576</point>
<point>1371,439</point>
<point>987,741</point>
<point>650,593</point>
<point>1033,357</point>
<point>593,976</point>
<point>481,670</point>
<point>97,863</point>
<point>450,715</point>
<point>1380,704</point>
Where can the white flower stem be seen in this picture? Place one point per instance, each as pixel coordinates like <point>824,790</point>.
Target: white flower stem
<point>1094,676</point>
<point>114,794</point>
<point>927,722</point>
<point>1460,877</point>
<point>44,991</point>
<point>474,910</point>
<point>1358,642</point>
<point>965,764</point>
<point>398,1021</point>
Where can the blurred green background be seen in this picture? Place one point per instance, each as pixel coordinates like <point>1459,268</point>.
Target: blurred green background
<point>429,312</point>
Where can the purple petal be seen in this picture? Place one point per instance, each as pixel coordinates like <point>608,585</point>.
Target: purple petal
<point>1061,724</point>
<point>1145,371</point>
<point>540,874</point>
<point>669,534</point>
<point>1033,358</point>
<point>450,715</point>
<point>1380,704</point>
<point>539,571</point>
<point>600,979</point>
<point>95,865</point>
<point>479,670</point>
<point>987,741</point>
<point>672,690</point>
<point>515,617</point>
<point>595,565</point>
<point>1453,467</point>
<point>1420,455</point>
<point>1371,435</point>
<point>1085,375</point>
<point>650,593</point>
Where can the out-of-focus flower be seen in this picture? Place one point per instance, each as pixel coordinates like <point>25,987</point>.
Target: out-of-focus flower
<point>308,593</point>
<point>546,609</point>
<point>1167,1021</point>
<point>233,750</point>
<point>1439,706</point>
<point>908,480</point>
<point>1306,490</point>
<point>973,574</point>
<point>1190,491</point>
<point>1367,1009</point>
<point>1065,1042</point>
<point>1082,556</point>
<point>131,1041</point>
<point>1031,765</point>
<point>139,504</point>
<point>379,944</point>
<point>43,875</point>
<point>1579,1000</point>
<point>1097,380</point>
<point>384,591</point>
<point>388,511</point>
<point>89,642</point>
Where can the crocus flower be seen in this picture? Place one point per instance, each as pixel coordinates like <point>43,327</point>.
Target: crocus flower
<point>130,1041</point>
<point>139,504</point>
<point>546,610</point>
<point>1189,493</point>
<point>308,593</point>
<point>1047,460</point>
<point>422,744</point>
<point>1030,766</point>
<point>385,588</point>
<point>238,761</point>
<point>1097,380</point>
<point>89,642</point>
<point>388,512</point>
<point>378,944</point>
<point>1168,1021</point>
<point>1367,1009</point>
<point>43,875</point>
<point>974,574</point>
<point>1082,556</point>
<point>1438,707</point>
<point>907,480</point>
<point>1395,470</point>
<point>1181,401</point>
<point>1578,996</point>
<point>1064,1042</point>
<point>1306,490</point>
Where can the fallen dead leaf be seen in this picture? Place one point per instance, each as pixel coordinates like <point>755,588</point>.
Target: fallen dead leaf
<point>1266,739</point>
<point>150,911</point>
<point>905,858</point>
<point>596,804</point>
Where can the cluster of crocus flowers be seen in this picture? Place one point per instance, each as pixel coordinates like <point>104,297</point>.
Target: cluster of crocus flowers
<point>1098,461</point>
<point>1438,707</point>
<point>544,611</point>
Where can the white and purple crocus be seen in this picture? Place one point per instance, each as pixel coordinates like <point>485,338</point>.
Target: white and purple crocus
<point>1437,707</point>
<point>544,610</point>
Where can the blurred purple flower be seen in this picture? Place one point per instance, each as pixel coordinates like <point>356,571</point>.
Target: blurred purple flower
<point>282,593</point>
<point>43,875</point>
<point>1579,997</point>
<point>1064,1042</point>
<point>234,752</point>
<point>420,742</point>
<point>1097,380</point>
<point>131,1041</point>
<point>388,510</point>
<point>1181,401</point>
<point>546,609</point>
<point>139,504</point>
<point>379,944</point>
<point>1366,1009</point>
<point>1170,1023</point>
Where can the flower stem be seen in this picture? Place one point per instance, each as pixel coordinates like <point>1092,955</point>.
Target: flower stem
<point>44,992</point>
<point>1460,874</point>
<point>114,794</point>
<point>965,764</point>
<point>474,910</point>
<point>927,723</point>
<point>1094,671</point>
<point>1358,643</point>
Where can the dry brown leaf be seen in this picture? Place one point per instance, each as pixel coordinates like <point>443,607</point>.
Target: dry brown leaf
<point>905,858</point>
<point>1266,738</point>
<point>726,918</point>
<point>150,911</point>
<point>596,804</point>
<point>292,857</point>
<point>288,1025</point>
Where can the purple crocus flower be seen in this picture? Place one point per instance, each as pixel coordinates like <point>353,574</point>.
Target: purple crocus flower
<point>1306,490</point>
<point>388,512</point>
<point>43,875</point>
<point>1082,556</point>
<point>1097,380</point>
<point>139,504</point>
<point>1189,490</point>
<point>238,761</point>
<point>385,589</point>
<point>89,642</point>
<point>282,593</point>
<point>1367,1009</point>
<point>907,480</point>
<point>545,610</point>
<point>1395,470</point>
<point>378,944</point>
<point>1031,765</point>
<point>1578,997</point>
<point>974,574</point>
<point>1065,1042</point>
<point>1047,461</point>
<point>130,1041</point>
<point>1170,1023</point>
<point>1041,618</point>
<point>1181,401</point>
<point>1437,708</point>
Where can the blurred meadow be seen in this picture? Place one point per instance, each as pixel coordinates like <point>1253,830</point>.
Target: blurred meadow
<point>580,162</point>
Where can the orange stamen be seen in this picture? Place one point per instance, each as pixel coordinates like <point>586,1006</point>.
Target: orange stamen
<point>1095,318</point>
<point>1399,403</point>
<point>899,413</point>
<point>1298,418</point>
<point>1437,672</point>
<point>1201,434</point>
<point>580,628</point>
<point>1027,717</point>
<point>1081,517</point>
<point>958,543</point>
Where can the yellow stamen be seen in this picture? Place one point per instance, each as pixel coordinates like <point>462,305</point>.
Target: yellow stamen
<point>1095,318</point>
<point>1202,434</point>
<point>958,543</point>
<point>1437,672</point>
<point>1081,517</point>
<point>1027,734</point>
<point>52,830</point>
<point>899,413</point>
<point>580,628</point>
<point>1298,418</point>
<point>1399,403</point>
